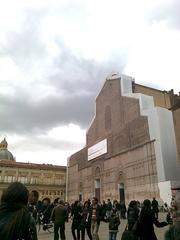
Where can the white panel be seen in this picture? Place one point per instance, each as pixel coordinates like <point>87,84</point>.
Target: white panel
<point>165,191</point>
<point>161,128</point>
<point>97,150</point>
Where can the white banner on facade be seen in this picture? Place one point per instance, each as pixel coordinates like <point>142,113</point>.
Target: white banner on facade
<point>97,150</point>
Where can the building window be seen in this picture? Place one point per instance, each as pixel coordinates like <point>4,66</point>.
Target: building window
<point>48,180</point>
<point>108,118</point>
<point>22,179</point>
<point>34,180</point>
<point>59,179</point>
<point>9,179</point>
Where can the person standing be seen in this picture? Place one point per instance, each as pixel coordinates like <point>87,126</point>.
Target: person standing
<point>146,220</point>
<point>104,210</point>
<point>86,220</point>
<point>16,221</point>
<point>32,204</point>
<point>96,218</point>
<point>114,222</point>
<point>109,207</point>
<point>173,233</point>
<point>76,215</point>
<point>132,214</point>
<point>123,209</point>
<point>59,216</point>
<point>116,205</point>
<point>155,207</point>
<point>46,210</point>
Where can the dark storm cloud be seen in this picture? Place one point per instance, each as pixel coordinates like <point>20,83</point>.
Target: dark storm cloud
<point>79,87</point>
<point>169,12</point>
<point>20,115</point>
<point>76,81</point>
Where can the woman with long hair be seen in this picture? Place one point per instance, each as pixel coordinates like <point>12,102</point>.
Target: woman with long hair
<point>146,221</point>
<point>16,222</point>
<point>132,214</point>
<point>76,215</point>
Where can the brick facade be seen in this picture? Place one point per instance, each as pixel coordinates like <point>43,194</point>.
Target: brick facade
<point>130,160</point>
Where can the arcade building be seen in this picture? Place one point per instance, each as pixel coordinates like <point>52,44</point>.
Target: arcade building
<point>48,180</point>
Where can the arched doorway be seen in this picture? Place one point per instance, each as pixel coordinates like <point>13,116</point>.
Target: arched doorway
<point>80,191</point>
<point>121,187</point>
<point>121,192</point>
<point>97,183</point>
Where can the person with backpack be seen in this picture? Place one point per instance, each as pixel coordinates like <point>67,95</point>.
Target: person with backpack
<point>114,223</point>
<point>16,222</point>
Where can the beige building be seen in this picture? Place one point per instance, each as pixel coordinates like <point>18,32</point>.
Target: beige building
<point>49,180</point>
<point>132,145</point>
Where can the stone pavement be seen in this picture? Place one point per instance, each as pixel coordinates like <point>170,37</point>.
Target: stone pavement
<point>103,231</point>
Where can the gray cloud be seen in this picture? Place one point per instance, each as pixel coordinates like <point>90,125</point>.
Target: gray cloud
<point>25,46</point>
<point>76,82</point>
<point>77,75</point>
<point>80,80</point>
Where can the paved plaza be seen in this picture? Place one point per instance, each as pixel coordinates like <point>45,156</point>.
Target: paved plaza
<point>103,231</point>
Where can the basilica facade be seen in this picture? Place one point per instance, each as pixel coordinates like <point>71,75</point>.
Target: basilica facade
<point>132,146</point>
<point>48,180</point>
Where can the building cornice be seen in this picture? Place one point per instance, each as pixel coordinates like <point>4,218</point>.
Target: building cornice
<point>31,165</point>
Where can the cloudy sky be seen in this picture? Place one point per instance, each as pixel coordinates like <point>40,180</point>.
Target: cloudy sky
<point>56,54</point>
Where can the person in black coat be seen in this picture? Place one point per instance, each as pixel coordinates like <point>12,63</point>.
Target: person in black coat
<point>114,223</point>
<point>59,216</point>
<point>86,220</point>
<point>132,214</point>
<point>15,219</point>
<point>147,218</point>
<point>155,207</point>
<point>122,210</point>
<point>46,210</point>
<point>76,215</point>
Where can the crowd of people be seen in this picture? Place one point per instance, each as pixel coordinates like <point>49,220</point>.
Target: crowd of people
<point>20,211</point>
